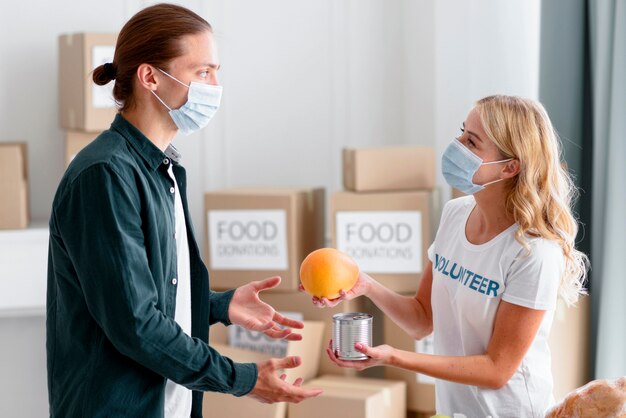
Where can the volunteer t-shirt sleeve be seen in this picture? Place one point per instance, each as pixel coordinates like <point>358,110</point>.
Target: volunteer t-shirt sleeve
<point>449,207</point>
<point>533,280</point>
<point>431,252</point>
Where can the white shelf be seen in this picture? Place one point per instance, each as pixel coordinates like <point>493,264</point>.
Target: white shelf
<point>23,270</point>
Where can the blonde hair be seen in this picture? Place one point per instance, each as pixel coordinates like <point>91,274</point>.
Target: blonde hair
<point>541,195</point>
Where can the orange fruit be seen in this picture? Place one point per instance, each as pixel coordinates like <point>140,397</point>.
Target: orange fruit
<point>327,271</point>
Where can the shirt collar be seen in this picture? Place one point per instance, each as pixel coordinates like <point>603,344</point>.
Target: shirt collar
<point>172,152</point>
<point>153,156</point>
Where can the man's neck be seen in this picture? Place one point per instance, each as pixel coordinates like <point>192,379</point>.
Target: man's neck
<point>158,129</point>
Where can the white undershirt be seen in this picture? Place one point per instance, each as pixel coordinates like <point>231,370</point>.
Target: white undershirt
<point>177,397</point>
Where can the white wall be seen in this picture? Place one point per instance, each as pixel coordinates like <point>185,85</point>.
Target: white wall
<point>483,47</point>
<point>301,80</point>
<point>28,103</point>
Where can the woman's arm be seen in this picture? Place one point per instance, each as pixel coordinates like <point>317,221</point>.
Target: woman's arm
<point>412,313</point>
<point>514,331</point>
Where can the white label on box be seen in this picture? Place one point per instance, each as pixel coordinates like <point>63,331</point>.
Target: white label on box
<point>248,239</point>
<point>382,242</point>
<point>102,96</point>
<point>257,341</point>
<point>425,346</point>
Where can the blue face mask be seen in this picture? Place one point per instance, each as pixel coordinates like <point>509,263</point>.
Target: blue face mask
<point>459,164</point>
<point>203,100</point>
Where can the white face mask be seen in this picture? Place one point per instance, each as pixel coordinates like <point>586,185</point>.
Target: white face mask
<point>203,100</point>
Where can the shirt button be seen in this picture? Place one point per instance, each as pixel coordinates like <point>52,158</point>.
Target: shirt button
<point>166,161</point>
<point>174,281</point>
<point>172,190</point>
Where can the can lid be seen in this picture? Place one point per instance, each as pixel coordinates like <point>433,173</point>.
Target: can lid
<point>352,316</point>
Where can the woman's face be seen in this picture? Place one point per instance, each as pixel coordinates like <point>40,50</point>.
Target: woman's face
<point>474,138</point>
<point>198,63</point>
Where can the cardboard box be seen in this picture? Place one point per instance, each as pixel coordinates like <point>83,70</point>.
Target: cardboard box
<point>221,405</point>
<point>83,105</point>
<point>414,414</point>
<point>13,186</point>
<point>301,302</point>
<point>569,346</point>
<point>307,348</point>
<point>76,141</point>
<point>388,168</point>
<point>256,233</point>
<point>420,395</point>
<point>346,397</point>
<point>387,234</point>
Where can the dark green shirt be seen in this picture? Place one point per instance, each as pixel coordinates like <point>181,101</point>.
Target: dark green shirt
<point>112,340</point>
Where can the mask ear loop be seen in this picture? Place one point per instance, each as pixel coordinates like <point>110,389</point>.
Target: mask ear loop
<point>173,78</point>
<point>491,182</point>
<point>499,161</point>
<point>159,99</point>
<point>495,162</point>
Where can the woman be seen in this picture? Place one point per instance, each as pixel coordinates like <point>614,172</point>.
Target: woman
<point>499,259</point>
<point>128,304</point>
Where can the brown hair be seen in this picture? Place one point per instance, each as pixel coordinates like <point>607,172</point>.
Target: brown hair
<point>152,36</point>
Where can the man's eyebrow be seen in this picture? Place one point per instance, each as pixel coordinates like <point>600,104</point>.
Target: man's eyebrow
<point>208,64</point>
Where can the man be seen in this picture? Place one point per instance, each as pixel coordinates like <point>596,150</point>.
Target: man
<point>128,304</point>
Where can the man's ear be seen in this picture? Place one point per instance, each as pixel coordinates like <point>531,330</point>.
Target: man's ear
<point>511,169</point>
<point>147,77</point>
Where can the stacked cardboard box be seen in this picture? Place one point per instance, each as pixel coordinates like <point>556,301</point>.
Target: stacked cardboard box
<point>301,303</point>
<point>569,346</point>
<point>257,348</point>
<point>388,168</point>
<point>85,109</point>
<point>256,233</point>
<point>218,405</point>
<point>420,388</point>
<point>14,212</point>
<point>384,220</point>
<point>346,397</point>
<point>75,141</point>
<point>238,338</point>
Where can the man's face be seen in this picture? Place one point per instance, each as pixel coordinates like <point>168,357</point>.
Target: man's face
<point>198,63</point>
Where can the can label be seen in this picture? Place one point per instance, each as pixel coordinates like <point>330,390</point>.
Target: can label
<point>349,329</point>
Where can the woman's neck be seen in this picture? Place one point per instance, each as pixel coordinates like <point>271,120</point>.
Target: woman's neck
<point>490,217</point>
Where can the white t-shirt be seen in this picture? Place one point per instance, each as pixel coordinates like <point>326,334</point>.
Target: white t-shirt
<point>178,398</point>
<point>468,283</point>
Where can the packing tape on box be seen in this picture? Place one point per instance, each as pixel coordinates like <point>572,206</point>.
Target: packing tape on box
<point>355,385</point>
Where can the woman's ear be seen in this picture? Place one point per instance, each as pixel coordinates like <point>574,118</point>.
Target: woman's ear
<point>146,77</point>
<point>511,169</point>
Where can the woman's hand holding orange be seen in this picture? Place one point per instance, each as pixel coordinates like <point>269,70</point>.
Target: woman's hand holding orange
<point>360,288</point>
<point>331,276</point>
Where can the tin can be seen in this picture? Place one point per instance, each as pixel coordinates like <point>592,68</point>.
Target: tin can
<point>348,329</point>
